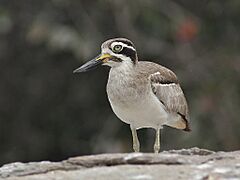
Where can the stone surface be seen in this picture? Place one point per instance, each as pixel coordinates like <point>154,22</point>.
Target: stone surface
<point>184,164</point>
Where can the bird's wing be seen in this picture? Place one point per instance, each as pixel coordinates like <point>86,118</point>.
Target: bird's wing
<point>166,87</point>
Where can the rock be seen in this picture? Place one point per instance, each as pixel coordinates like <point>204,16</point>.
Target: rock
<point>184,164</point>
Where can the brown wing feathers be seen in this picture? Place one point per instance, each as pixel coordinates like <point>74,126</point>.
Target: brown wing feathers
<point>167,89</point>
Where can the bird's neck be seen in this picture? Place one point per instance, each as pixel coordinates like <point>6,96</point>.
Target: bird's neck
<point>126,67</point>
<point>121,74</point>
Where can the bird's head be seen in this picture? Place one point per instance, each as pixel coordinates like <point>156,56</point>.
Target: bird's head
<point>114,52</point>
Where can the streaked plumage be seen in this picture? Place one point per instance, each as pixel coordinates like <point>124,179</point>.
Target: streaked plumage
<point>141,93</point>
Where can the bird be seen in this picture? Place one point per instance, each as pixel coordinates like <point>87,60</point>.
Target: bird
<point>142,94</point>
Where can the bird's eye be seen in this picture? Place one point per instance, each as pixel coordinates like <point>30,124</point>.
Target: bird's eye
<point>117,48</point>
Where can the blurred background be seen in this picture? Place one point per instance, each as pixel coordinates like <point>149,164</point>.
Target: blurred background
<point>49,113</point>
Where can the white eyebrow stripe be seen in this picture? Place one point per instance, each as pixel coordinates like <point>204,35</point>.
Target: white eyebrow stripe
<point>122,44</point>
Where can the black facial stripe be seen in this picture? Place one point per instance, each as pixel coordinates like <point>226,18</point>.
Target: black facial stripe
<point>126,42</point>
<point>167,82</point>
<point>115,59</point>
<point>129,53</point>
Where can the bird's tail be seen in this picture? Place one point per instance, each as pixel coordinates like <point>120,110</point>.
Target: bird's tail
<point>180,123</point>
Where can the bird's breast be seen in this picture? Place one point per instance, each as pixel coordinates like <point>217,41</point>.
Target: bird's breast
<point>126,90</point>
<point>133,101</point>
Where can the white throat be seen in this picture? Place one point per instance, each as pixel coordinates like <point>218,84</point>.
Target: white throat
<point>125,65</point>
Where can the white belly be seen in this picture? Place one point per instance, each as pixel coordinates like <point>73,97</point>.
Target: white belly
<point>141,113</point>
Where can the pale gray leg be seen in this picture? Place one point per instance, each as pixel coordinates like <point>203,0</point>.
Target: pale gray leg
<point>157,141</point>
<point>136,145</point>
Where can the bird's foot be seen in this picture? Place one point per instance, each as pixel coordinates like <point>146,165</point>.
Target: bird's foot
<point>136,147</point>
<point>156,148</point>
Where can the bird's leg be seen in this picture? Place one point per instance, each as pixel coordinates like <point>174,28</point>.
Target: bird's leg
<point>136,144</point>
<point>157,141</point>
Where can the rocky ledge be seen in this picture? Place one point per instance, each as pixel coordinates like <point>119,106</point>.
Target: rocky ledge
<point>184,164</point>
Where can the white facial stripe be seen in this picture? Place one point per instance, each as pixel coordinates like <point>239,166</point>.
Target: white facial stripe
<point>122,44</point>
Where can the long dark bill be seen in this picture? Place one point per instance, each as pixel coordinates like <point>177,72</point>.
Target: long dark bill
<point>92,64</point>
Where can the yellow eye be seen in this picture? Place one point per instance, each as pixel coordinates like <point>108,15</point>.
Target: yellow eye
<point>117,48</point>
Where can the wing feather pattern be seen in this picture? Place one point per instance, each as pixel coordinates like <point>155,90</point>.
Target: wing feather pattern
<point>166,87</point>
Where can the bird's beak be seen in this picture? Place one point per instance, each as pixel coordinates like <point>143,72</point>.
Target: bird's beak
<point>92,64</point>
